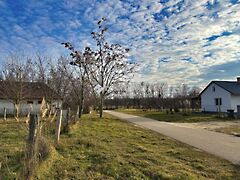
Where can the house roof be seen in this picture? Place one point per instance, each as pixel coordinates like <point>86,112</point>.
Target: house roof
<point>231,86</point>
<point>27,90</point>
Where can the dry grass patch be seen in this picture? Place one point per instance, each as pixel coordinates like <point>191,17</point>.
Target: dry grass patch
<point>232,130</point>
<point>184,117</point>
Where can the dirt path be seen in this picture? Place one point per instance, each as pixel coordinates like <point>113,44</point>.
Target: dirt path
<point>219,144</point>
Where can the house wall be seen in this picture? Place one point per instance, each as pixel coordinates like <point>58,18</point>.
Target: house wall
<point>235,101</point>
<point>208,99</point>
<point>6,104</point>
<point>24,106</point>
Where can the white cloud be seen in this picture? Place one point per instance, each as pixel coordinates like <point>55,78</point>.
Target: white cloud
<point>182,34</point>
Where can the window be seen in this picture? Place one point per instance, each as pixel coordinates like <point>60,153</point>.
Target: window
<point>218,101</point>
<point>39,102</point>
<point>213,88</point>
<point>30,102</point>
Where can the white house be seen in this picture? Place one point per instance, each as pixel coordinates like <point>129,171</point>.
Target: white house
<point>28,95</point>
<point>221,96</point>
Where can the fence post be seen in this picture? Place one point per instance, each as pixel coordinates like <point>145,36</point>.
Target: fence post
<point>5,114</point>
<point>31,154</point>
<point>32,128</point>
<point>238,111</point>
<point>68,117</point>
<point>58,127</point>
<point>69,113</point>
<point>77,115</point>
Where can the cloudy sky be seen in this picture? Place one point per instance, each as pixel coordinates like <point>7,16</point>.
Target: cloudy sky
<point>174,41</point>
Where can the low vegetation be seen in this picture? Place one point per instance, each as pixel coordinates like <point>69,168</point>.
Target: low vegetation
<point>111,149</point>
<point>185,117</point>
<point>12,140</point>
<point>232,130</point>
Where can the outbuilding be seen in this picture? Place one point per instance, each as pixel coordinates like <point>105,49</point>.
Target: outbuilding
<point>27,96</point>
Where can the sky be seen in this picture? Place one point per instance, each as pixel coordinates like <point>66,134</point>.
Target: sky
<point>173,41</point>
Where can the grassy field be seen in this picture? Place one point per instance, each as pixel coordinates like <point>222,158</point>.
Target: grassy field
<point>175,117</point>
<point>112,149</point>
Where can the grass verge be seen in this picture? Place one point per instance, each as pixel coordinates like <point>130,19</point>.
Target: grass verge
<point>174,117</point>
<point>231,130</point>
<point>112,149</point>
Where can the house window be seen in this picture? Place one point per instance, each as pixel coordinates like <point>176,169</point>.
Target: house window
<point>213,88</point>
<point>30,102</point>
<point>218,101</point>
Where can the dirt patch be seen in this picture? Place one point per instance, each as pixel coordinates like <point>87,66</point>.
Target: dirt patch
<point>209,125</point>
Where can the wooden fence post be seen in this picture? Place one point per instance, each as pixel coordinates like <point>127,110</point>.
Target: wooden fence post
<point>77,115</point>
<point>32,128</point>
<point>238,111</point>
<point>31,154</point>
<point>68,117</point>
<point>58,127</point>
<point>5,114</point>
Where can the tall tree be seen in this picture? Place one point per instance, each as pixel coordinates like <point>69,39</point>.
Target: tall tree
<point>104,67</point>
<point>82,62</point>
<point>111,65</point>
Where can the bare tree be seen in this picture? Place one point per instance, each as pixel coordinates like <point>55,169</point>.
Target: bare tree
<point>42,68</point>
<point>82,62</point>
<point>57,78</point>
<point>110,65</point>
<point>105,67</point>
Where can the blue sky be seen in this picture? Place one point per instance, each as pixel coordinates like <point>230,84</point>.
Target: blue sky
<point>174,41</point>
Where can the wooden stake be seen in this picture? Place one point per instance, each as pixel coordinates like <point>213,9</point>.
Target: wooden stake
<point>31,151</point>
<point>5,114</point>
<point>58,127</point>
<point>32,128</point>
<point>68,116</point>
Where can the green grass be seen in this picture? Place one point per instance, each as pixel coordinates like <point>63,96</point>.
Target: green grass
<point>175,117</point>
<point>113,149</point>
<point>12,140</point>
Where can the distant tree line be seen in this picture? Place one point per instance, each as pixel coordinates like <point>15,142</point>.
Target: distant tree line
<point>158,96</point>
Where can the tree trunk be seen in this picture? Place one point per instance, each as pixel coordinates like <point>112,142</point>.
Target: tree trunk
<point>101,105</point>
<point>81,104</point>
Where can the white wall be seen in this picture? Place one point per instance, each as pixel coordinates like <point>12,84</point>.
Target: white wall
<point>8,105</point>
<point>235,101</point>
<point>208,99</point>
<point>24,106</point>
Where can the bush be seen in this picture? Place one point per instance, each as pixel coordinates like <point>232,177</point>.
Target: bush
<point>176,110</point>
<point>43,148</point>
<point>185,114</point>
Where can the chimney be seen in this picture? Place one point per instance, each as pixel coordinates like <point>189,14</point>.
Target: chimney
<point>238,79</point>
